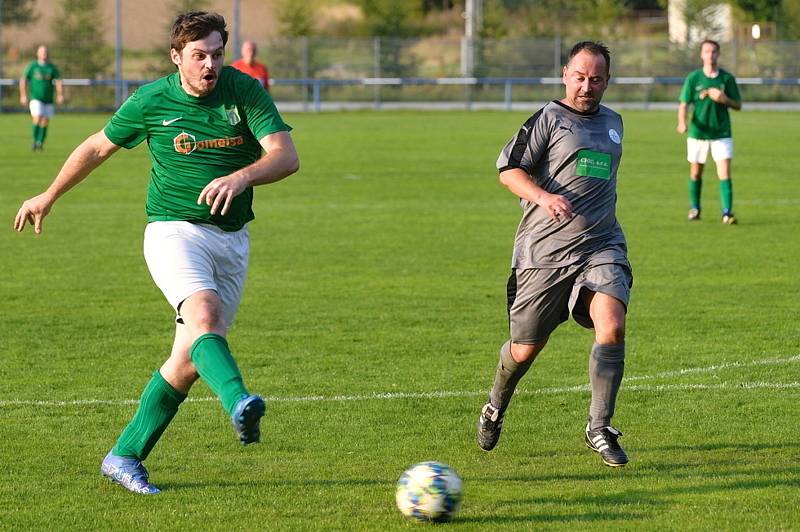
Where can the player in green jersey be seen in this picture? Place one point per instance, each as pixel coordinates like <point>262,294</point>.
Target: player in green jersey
<point>206,126</point>
<point>40,76</point>
<point>711,91</point>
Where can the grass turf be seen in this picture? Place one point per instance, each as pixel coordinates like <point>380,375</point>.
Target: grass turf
<point>376,284</point>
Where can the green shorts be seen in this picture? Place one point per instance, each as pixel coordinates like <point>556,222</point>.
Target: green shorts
<point>541,299</point>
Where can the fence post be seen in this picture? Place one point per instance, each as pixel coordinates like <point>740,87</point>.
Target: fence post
<point>317,97</point>
<point>305,69</point>
<point>119,95</point>
<point>376,70</point>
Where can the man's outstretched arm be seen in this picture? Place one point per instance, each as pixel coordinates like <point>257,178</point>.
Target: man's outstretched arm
<point>90,154</point>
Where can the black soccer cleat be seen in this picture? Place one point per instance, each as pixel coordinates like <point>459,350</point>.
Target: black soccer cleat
<point>490,423</point>
<point>604,442</point>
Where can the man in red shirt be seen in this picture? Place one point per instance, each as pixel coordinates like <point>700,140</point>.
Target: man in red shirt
<point>250,66</point>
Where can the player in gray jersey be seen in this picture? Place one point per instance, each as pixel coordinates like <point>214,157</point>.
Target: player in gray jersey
<point>570,254</point>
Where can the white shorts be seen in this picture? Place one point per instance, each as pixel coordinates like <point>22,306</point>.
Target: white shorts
<point>697,149</point>
<point>184,258</point>
<point>38,108</point>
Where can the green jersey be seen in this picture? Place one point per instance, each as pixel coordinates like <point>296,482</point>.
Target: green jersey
<point>710,120</point>
<point>40,80</point>
<point>195,140</point>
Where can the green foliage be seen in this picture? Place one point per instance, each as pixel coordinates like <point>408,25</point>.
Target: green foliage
<point>296,18</point>
<point>495,20</point>
<point>762,10</point>
<point>79,46</point>
<point>789,21</point>
<point>572,19</point>
<point>17,11</point>
<point>379,271</point>
<point>391,18</point>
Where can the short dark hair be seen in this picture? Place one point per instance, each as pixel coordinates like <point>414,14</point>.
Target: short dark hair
<point>594,48</point>
<point>710,41</point>
<point>196,25</point>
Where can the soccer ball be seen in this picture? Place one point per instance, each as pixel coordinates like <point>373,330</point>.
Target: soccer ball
<point>429,491</point>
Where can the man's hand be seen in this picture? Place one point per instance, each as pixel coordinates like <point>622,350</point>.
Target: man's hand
<point>219,193</point>
<point>716,95</point>
<point>23,100</point>
<point>33,212</point>
<point>558,207</point>
<point>681,128</point>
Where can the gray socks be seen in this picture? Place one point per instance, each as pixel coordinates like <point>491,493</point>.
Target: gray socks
<point>606,366</point>
<point>508,374</point>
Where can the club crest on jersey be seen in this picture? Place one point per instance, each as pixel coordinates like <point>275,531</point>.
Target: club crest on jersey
<point>614,136</point>
<point>233,116</point>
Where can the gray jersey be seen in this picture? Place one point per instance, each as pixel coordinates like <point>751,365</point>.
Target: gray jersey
<point>575,155</point>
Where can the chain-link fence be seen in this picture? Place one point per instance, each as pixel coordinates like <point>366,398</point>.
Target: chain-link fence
<point>87,52</point>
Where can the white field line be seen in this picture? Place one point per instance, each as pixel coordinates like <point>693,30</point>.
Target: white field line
<point>582,388</point>
<point>712,369</point>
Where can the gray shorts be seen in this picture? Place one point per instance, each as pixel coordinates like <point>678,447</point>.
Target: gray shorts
<point>539,300</point>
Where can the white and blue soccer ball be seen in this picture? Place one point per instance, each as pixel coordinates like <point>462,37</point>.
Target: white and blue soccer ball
<point>429,491</point>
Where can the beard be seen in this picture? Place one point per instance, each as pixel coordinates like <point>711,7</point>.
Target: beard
<point>586,102</point>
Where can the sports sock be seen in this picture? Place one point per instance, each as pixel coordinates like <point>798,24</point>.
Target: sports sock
<point>726,195</point>
<point>508,374</point>
<point>42,134</point>
<point>158,405</point>
<point>606,366</point>
<point>35,132</point>
<point>218,369</point>
<point>695,188</point>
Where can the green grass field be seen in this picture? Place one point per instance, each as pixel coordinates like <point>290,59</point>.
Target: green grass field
<point>372,317</point>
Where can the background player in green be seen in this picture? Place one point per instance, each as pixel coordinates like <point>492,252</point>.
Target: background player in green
<point>41,76</point>
<point>711,91</point>
<point>570,253</point>
<point>206,126</point>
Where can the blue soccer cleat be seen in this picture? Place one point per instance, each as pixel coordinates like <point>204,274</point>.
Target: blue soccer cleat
<point>128,473</point>
<point>246,418</point>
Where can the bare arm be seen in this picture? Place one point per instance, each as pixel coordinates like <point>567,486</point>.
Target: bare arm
<point>59,91</point>
<point>720,97</point>
<point>23,91</point>
<point>682,111</point>
<point>520,183</point>
<point>280,160</point>
<point>80,163</point>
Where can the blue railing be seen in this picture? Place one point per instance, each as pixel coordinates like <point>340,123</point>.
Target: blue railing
<point>316,85</point>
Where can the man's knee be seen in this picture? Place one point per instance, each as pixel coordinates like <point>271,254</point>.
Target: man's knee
<point>610,331</point>
<point>522,353</point>
<point>202,313</point>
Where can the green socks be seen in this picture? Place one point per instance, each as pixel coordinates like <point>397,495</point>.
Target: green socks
<point>695,187</point>
<point>39,133</point>
<point>726,195</point>
<point>218,369</point>
<point>160,401</point>
<point>158,405</point>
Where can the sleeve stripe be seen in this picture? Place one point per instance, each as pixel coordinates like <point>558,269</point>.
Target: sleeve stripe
<point>523,139</point>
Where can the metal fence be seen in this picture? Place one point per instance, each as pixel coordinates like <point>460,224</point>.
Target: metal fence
<point>379,71</point>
